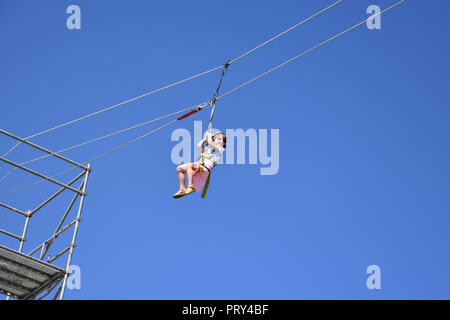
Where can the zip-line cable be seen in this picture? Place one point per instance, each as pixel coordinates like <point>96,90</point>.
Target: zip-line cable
<point>223,95</point>
<point>286,31</point>
<point>308,51</point>
<point>111,107</point>
<point>173,84</point>
<point>91,160</point>
<point>96,139</point>
<point>37,182</point>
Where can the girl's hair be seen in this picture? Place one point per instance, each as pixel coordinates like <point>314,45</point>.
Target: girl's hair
<point>224,139</point>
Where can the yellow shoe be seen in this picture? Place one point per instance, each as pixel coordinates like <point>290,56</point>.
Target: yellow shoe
<point>180,193</point>
<point>189,190</point>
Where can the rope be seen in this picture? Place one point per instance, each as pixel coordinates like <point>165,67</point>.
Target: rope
<point>286,31</point>
<point>173,84</point>
<point>91,160</point>
<point>213,107</point>
<point>308,51</point>
<point>97,139</point>
<point>130,142</point>
<point>216,94</point>
<point>35,183</point>
<point>112,107</point>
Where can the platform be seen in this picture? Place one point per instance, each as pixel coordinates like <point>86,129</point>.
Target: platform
<point>24,277</point>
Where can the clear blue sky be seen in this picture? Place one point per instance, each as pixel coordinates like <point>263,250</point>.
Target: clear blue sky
<point>364,175</point>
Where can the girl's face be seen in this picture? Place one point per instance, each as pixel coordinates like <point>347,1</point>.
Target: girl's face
<point>219,139</point>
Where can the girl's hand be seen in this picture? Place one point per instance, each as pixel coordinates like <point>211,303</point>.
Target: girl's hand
<point>200,144</point>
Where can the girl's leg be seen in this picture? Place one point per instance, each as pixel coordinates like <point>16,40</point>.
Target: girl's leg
<point>190,175</point>
<point>180,172</point>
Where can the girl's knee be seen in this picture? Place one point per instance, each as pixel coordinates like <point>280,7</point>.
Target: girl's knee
<point>192,167</point>
<point>181,168</point>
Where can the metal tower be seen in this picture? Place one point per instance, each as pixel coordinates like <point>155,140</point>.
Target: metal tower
<point>28,276</point>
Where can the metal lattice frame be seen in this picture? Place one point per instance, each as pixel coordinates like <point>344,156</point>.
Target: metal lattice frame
<point>23,276</point>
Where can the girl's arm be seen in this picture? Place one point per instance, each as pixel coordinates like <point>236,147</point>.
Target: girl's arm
<point>200,144</point>
<point>210,140</point>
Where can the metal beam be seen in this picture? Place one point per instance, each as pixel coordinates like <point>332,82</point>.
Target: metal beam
<point>56,194</point>
<point>59,254</point>
<point>54,280</point>
<point>35,250</point>
<point>11,234</point>
<point>52,238</point>
<point>49,244</point>
<point>40,175</point>
<point>72,245</point>
<point>32,295</point>
<point>13,209</point>
<point>25,228</point>
<point>42,149</point>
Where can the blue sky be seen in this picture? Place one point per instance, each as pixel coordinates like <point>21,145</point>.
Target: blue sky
<point>364,135</point>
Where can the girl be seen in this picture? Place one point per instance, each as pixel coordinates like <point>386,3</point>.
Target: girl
<point>199,171</point>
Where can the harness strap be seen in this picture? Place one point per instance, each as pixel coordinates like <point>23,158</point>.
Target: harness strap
<point>205,188</point>
<point>202,167</point>
<point>204,155</point>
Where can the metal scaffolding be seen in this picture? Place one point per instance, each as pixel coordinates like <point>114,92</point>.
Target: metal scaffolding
<point>23,276</point>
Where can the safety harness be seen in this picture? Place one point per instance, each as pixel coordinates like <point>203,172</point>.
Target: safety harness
<point>202,168</point>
